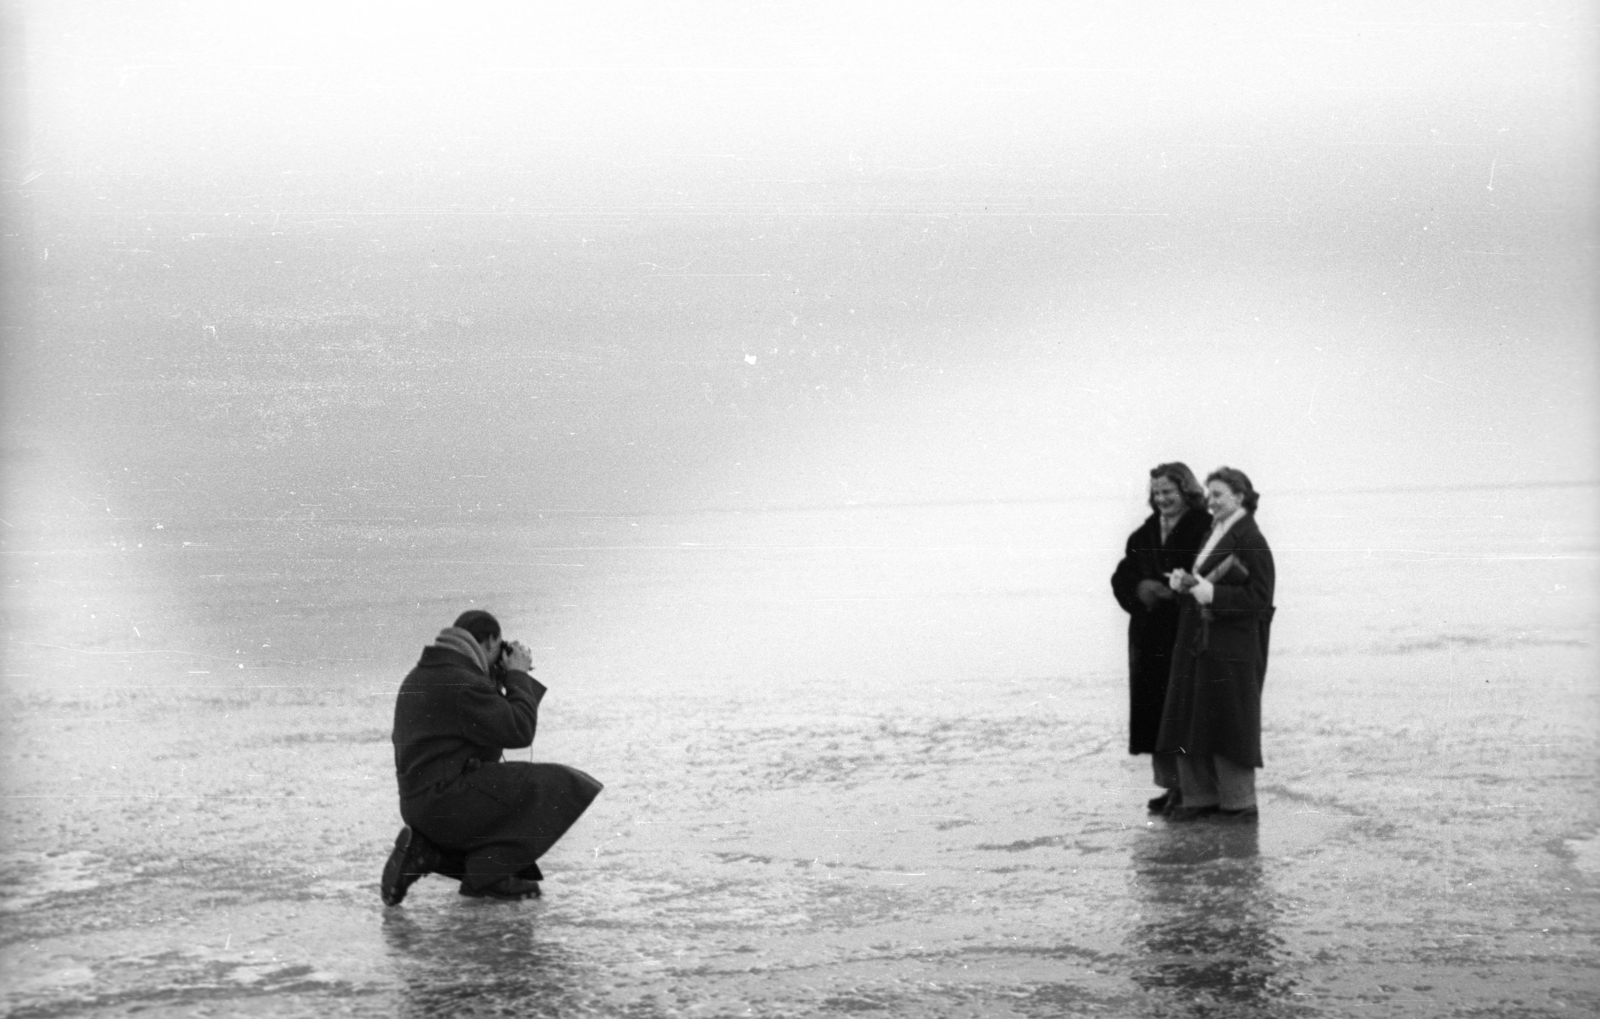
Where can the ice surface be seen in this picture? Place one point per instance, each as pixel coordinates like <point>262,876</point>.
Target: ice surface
<point>856,760</point>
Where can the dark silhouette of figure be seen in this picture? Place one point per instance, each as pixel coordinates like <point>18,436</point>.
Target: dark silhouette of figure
<point>1212,716</point>
<point>1166,541</point>
<point>469,813</point>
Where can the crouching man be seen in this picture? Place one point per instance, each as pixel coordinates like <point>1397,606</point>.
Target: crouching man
<point>469,814</point>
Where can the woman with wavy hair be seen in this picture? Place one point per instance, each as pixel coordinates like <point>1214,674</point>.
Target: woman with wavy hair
<point>1166,541</point>
<point>1212,716</point>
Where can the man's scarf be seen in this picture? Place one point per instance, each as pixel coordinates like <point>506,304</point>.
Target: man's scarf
<point>453,638</point>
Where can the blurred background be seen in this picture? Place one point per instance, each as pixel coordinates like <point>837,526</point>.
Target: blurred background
<point>341,264</point>
<point>628,257</point>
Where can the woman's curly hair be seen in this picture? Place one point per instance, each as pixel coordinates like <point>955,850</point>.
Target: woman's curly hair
<point>1180,475</point>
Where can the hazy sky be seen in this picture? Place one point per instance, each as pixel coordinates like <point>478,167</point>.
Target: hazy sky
<point>1113,106</point>
<point>1335,244</point>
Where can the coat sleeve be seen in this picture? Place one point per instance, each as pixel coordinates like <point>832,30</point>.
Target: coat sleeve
<point>491,720</point>
<point>1255,593</point>
<point>1125,580</point>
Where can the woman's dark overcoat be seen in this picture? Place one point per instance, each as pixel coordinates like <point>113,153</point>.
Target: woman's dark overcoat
<point>1219,662</point>
<point>1152,631</point>
<point>493,817</point>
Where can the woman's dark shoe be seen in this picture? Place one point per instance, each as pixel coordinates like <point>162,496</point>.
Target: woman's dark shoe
<point>1165,802</point>
<point>1190,813</point>
<point>413,856</point>
<point>509,889</point>
<point>1244,815</point>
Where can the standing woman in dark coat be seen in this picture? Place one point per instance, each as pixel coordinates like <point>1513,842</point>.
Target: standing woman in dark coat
<point>1167,541</point>
<point>1212,718</point>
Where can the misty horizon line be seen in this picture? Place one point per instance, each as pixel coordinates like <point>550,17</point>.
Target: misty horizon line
<point>495,514</point>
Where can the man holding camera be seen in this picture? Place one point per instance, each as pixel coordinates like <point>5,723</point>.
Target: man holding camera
<point>469,814</point>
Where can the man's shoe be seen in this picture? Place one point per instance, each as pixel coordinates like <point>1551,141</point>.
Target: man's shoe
<point>1165,802</point>
<point>1190,813</point>
<point>413,856</point>
<point>1244,815</point>
<point>509,889</point>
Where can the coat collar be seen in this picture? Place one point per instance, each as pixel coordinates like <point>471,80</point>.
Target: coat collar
<point>434,655</point>
<point>1225,544</point>
<point>1197,520</point>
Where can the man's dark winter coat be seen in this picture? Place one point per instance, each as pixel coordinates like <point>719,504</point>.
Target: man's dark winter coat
<point>1151,632</point>
<point>494,818</point>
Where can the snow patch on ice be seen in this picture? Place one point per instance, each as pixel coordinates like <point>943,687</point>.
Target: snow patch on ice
<point>27,879</point>
<point>30,974</point>
<point>1586,855</point>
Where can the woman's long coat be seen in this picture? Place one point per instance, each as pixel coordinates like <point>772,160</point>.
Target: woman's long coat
<point>1220,659</point>
<point>493,817</point>
<point>1152,631</point>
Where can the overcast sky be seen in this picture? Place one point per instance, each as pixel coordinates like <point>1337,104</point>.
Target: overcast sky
<point>1336,244</point>
<point>641,102</point>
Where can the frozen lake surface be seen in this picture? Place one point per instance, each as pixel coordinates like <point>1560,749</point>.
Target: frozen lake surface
<point>864,760</point>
